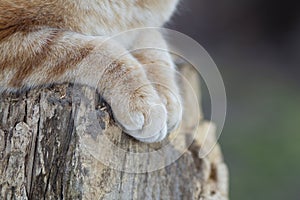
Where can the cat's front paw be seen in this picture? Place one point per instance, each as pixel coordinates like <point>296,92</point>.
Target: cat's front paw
<point>173,104</point>
<point>141,114</point>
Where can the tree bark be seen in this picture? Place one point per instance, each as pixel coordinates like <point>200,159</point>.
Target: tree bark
<point>51,148</point>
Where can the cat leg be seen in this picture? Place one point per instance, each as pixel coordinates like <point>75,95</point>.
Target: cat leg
<point>152,52</point>
<point>45,56</point>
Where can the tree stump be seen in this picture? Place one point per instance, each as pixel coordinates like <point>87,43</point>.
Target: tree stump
<point>51,147</point>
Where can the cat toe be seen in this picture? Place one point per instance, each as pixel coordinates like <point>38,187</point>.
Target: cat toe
<point>155,126</point>
<point>173,104</point>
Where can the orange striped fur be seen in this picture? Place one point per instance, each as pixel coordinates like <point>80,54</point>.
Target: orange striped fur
<point>55,41</point>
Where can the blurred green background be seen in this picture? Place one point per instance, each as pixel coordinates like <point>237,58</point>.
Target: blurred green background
<point>256,46</point>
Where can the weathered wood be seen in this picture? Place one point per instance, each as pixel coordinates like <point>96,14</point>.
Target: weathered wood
<point>51,147</point>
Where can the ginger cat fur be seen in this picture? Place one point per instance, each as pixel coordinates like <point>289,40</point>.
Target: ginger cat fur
<point>57,41</point>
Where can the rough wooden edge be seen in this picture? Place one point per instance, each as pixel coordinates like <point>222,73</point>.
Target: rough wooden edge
<point>42,154</point>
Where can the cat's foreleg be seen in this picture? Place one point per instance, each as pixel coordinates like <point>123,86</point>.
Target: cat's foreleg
<point>46,55</point>
<point>151,51</point>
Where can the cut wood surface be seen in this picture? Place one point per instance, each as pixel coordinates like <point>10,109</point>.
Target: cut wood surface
<point>61,142</point>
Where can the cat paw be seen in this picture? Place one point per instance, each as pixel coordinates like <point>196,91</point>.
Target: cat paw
<point>172,102</point>
<point>141,115</point>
